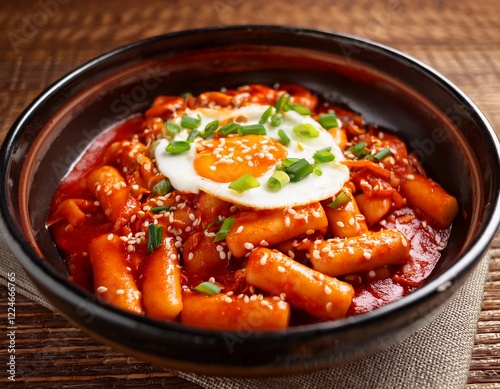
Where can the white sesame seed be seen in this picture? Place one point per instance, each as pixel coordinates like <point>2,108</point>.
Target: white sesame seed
<point>329,306</point>
<point>410,177</point>
<point>316,254</point>
<point>281,269</point>
<point>248,246</point>
<point>228,299</point>
<point>101,289</point>
<point>120,291</point>
<point>340,224</point>
<point>130,248</point>
<point>110,237</point>
<point>263,260</point>
<point>372,273</point>
<point>328,290</point>
<point>367,255</point>
<point>264,243</point>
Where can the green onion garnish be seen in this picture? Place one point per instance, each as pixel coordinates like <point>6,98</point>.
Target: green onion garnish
<point>207,288</point>
<point>186,95</point>
<point>306,131</point>
<point>299,109</point>
<point>154,237</point>
<point>266,115</point>
<point>245,182</point>
<point>255,129</point>
<point>224,229</point>
<point>299,170</point>
<point>340,200</point>
<point>192,135</point>
<point>177,147</point>
<point>383,153</point>
<point>282,103</point>
<point>284,137</point>
<point>324,155</point>
<point>172,128</point>
<point>278,180</point>
<point>190,122</point>
<point>328,120</point>
<point>162,188</point>
<point>161,208</point>
<point>359,150</point>
<point>317,170</point>
<point>289,162</point>
<point>210,129</point>
<point>276,120</point>
<point>228,129</point>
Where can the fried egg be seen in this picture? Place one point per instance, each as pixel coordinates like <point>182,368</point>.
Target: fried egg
<point>212,164</point>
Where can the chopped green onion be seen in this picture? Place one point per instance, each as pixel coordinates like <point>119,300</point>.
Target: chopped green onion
<point>266,115</point>
<point>276,120</point>
<point>210,129</point>
<point>359,150</point>
<point>161,208</point>
<point>162,188</point>
<point>177,147</point>
<point>278,180</point>
<point>289,162</point>
<point>224,229</point>
<point>192,135</point>
<point>306,131</point>
<point>186,95</point>
<point>172,128</point>
<point>255,129</point>
<point>340,200</point>
<point>284,137</point>
<point>154,237</point>
<point>207,288</point>
<point>299,170</point>
<point>190,122</point>
<point>282,103</point>
<point>299,109</point>
<point>383,153</point>
<point>245,182</point>
<point>228,129</point>
<point>328,120</point>
<point>317,170</point>
<point>324,155</point>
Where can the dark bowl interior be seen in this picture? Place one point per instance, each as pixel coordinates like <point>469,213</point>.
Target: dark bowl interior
<point>442,126</point>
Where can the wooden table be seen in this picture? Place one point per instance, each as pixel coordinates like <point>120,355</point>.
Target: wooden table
<point>44,39</point>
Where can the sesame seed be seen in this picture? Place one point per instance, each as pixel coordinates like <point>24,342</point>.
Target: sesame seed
<point>190,256</point>
<point>350,250</point>
<point>372,273</point>
<point>230,293</point>
<point>130,248</point>
<point>97,203</point>
<point>101,289</point>
<point>110,237</point>
<point>109,192</point>
<point>309,232</point>
<point>329,306</point>
<point>291,254</point>
<point>340,224</point>
<point>367,255</point>
<point>173,256</point>
<point>281,269</point>
<point>253,297</point>
<point>263,260</point>
<point>316,254</point>
<point>328,290</point>
<point>282,305</point>
<point>410,177</point>
<point>222,255</point>
<point>211,279</point>
<point>228,299</point>
<point>120,291</point>
<point>248,246</point>
<point>404,242</point>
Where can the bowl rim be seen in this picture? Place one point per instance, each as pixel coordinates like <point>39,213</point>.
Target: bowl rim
<point>45,274</point>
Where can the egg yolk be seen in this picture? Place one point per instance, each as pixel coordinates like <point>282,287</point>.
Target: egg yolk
<point>227,159</point>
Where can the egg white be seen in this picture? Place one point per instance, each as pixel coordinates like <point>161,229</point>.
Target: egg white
<point>179,168</point>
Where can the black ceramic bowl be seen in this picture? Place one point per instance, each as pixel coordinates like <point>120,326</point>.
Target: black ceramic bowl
<point>439,123</point>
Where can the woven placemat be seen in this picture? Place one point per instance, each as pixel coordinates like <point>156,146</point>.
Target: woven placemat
<point>437,356</point>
